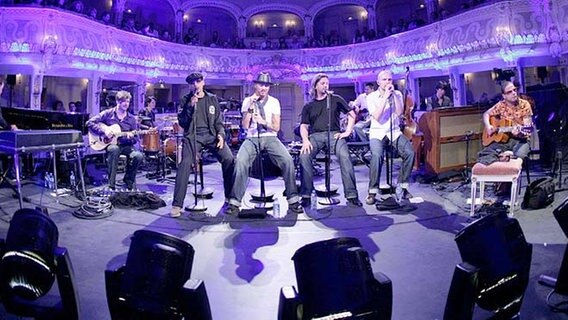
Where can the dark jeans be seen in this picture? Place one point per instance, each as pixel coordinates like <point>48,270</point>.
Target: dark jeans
<point>339,147</point>
<point>223,155</point>
<point>405,150</point>
<point>490,154</point>
<point>359,129</point>
<point>277,153</point>
<point>133,160</point>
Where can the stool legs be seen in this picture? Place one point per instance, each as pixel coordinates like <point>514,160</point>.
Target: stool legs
<point>473,195</point>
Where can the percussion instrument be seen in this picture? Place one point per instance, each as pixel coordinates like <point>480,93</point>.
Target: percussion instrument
<point>170,146</point>
<point>166,132</point>
<point>151,142</point>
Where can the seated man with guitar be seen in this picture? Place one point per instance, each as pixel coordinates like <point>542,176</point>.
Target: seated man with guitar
<point>386,108</point>
<point>115,130</point>
<point>508,125</point>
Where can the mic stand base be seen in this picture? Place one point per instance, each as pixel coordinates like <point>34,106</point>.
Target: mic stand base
<point>328,201</point>
<point>196,208</point>
<point>258,197</point>
<point>204,193</point>
<point>321,190</point>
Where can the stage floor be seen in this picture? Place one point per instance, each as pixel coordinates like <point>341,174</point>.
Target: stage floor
<point>244,263</point>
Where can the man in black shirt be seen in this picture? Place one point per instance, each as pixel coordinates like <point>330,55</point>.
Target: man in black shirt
<point>146,115</point>
<point>201,119</point>
<point>315,116</point>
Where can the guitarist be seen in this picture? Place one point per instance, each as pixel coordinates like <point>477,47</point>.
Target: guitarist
<point>518,113</point>
<point>120,116</point>
<point>386,108</point>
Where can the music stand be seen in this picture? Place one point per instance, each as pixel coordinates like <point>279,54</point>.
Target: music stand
<point>326,191</point>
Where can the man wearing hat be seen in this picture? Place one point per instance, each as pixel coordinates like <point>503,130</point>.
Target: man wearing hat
<point>315,117</point>
<point>201,119</point>
<point>261,119</point>
<point>440,99</point>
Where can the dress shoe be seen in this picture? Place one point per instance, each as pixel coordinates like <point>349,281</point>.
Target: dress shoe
<point>176,212</point>
<point>232,210</point>
<point>296,207</point>
<point>354,202</point>
<point>370,199</point>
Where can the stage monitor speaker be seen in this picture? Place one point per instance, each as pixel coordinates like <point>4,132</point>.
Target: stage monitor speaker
<point>561,215</point>
<point>11,79</point>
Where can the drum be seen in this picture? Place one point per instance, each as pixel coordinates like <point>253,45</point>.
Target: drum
<point>170,147</point>
<point>166,132</point>
<point>151,142</point>
<point>178,130</point>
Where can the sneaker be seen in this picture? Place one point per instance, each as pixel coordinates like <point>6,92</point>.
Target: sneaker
<point>406,194</point>
<point>370,199</point>
<point>354,202</point>
<point>176,212</point>
<point>306,202</point>
<point>232,210</point>
<point>296,207</point>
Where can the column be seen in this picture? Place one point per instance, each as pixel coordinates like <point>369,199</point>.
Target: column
<point>35,89</point>
<point>178,32</point>
<point>242,27</point>
<point>308,26</point>
<point>118,10</point>
<point>139,95</point>
<point>94,89</point>
<point>457,85</point>
<point>431,8</point>
<point>520,78</point>
<point>371,18</point>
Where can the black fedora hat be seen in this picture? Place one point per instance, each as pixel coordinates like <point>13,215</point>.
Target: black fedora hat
<point>264,78</point>
<point>193,77</point>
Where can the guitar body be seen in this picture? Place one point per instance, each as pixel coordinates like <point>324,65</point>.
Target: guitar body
<point>409,125</point>
<point>100,142</point>
<point>502,132</point>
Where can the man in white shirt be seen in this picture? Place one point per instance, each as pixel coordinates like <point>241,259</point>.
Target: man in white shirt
<point>261,119</point>
<point>385,107</point>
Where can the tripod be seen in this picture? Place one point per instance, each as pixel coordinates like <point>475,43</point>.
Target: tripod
<point>327,191</point>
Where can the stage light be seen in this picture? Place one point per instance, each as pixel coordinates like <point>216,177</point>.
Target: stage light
<point>495,270</point>
<point>335,281</point>
<point>154,283</point>
<point>30,263</point>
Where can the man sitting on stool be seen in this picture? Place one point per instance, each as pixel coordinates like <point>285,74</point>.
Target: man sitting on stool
<point>119,115</point>
<point>261,117</point>
<point>201,109</point>
<point>386,107</point>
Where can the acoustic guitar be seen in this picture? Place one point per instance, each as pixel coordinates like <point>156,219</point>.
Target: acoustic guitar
<point>99,142</point>
<point>503,128</point>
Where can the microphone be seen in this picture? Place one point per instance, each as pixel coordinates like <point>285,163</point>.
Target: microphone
<point>329,92</point>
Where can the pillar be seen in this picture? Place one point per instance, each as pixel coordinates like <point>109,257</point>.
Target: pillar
<point>178,32</point>
<point>308,26</point>
<point>118,11</point>
<point>35,89</point>
<point>371,18</point>
<point>94,89</point>
<point>431,7</point>
<point>458,87</point>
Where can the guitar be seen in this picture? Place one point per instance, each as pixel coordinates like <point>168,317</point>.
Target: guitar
<point>100,142</point>
<point>501,134</point>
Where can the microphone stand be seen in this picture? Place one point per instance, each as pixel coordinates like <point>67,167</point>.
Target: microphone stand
<point>196,207</point>
<point>326,192</point>
<point>389,153</point>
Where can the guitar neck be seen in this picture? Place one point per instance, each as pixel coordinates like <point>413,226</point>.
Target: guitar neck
<point>135,132</point>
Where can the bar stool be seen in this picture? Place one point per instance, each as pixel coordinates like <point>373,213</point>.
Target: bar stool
<point>506,171</point>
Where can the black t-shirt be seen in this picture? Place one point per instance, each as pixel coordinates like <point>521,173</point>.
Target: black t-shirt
<point>315,113</point>
<point>201,119</point>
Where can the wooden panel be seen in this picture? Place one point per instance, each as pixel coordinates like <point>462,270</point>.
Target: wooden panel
<point>445,137</point>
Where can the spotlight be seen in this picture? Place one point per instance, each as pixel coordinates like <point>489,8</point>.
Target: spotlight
<point>154,283</point>
<point>335,281</point>
<point>495,270</point>
<point>30,263</point>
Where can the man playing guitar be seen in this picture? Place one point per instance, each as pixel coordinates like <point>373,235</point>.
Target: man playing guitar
<point>517,113</point>
<point>101,125</point>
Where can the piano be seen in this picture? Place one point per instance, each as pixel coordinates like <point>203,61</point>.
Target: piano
<point>46,120</point>
<point>30,141</point>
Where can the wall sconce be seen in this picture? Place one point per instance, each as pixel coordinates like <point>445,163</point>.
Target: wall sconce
<point>364,14</point>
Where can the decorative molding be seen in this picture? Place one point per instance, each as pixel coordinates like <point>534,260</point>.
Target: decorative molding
<point>499,34</point>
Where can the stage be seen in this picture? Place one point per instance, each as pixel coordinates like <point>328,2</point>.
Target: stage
<point>244,263</point>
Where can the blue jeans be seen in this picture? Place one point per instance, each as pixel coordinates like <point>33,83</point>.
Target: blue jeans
<point>277,153</point>
<point>359,129</point>
<point>133,161</point>
<point>224,156</point>
<point>405,150</point>
<point>339,147</point>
